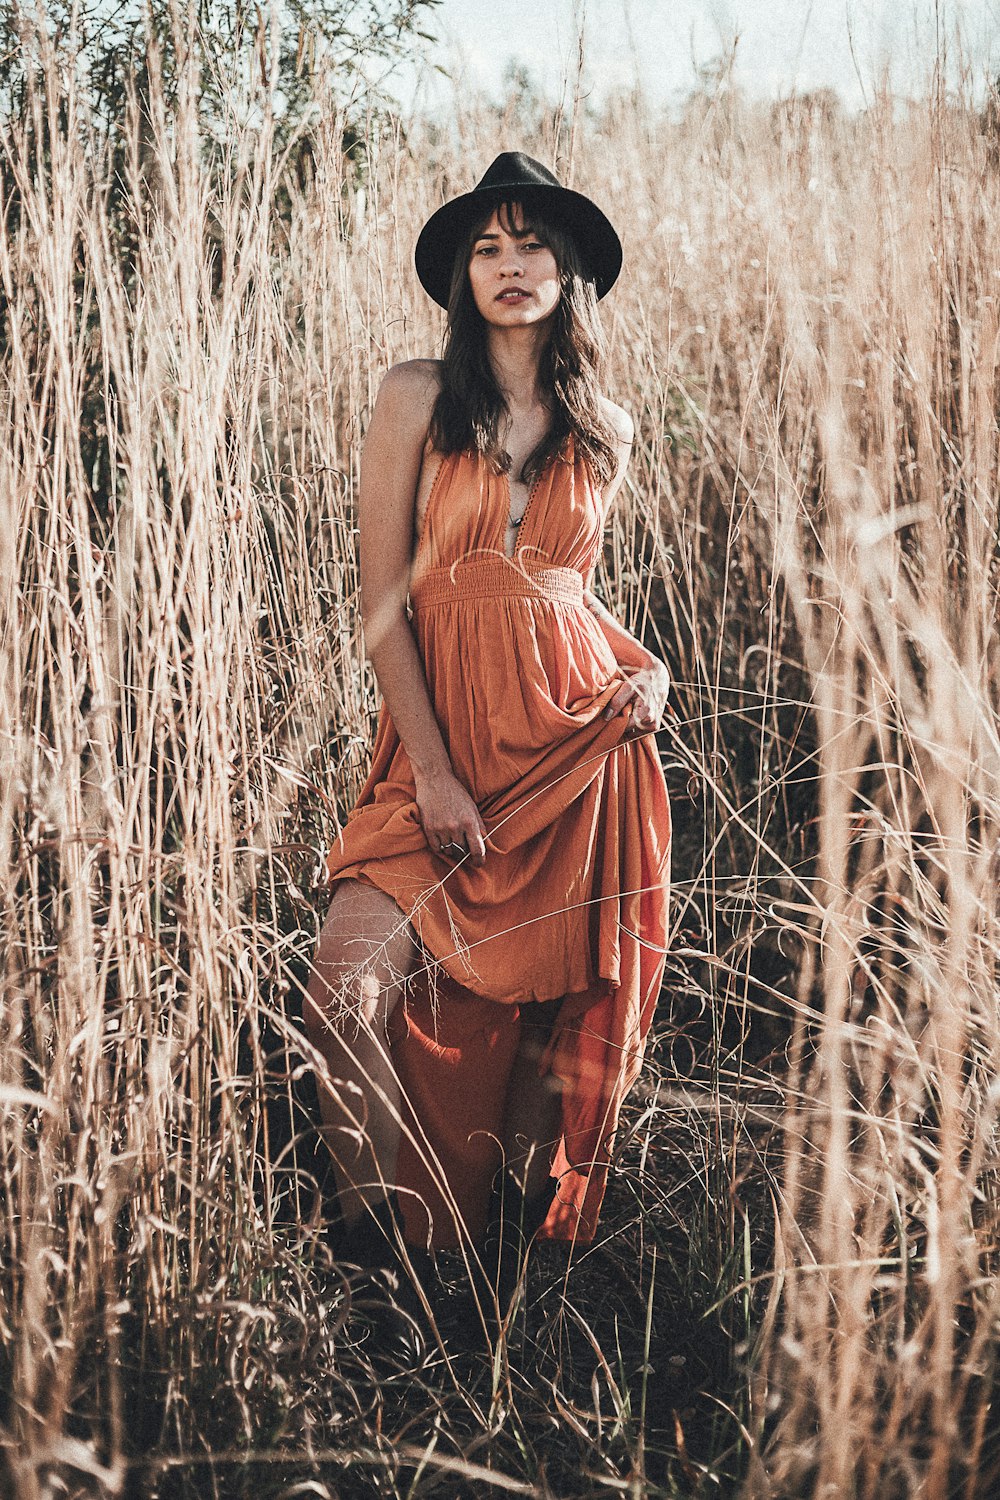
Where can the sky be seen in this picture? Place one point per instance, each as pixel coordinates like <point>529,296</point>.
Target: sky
<point>781,45</point>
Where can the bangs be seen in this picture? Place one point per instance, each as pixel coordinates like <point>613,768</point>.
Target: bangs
<point>508,212</point>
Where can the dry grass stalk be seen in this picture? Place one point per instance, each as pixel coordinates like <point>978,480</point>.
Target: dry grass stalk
<point>807,335</point>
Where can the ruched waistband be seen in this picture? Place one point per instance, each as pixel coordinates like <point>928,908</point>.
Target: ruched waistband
<point>489,578</point>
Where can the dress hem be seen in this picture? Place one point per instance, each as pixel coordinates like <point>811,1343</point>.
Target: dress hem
<point>528,997</point>
<point>565,1222</point>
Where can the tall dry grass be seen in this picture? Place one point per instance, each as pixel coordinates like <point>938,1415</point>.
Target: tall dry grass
<point>807,335</point>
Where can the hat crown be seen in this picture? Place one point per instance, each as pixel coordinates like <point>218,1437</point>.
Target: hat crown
<point>514,169</point>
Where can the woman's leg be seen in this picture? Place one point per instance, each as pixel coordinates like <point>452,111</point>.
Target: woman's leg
<point>523,1189</point>
<point>366,950</point>
<point>534,1105</point>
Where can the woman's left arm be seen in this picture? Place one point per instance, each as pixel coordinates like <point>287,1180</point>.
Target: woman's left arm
<point>648,679</point>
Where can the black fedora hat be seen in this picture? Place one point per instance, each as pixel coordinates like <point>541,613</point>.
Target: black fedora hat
<point>513,176</point>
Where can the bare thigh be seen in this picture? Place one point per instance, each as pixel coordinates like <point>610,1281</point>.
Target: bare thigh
<point>366,949</point>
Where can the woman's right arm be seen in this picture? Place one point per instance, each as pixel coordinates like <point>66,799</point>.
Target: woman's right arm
<point>390,469</point>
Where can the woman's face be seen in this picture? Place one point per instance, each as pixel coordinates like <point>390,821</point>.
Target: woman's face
<point>514,276</point>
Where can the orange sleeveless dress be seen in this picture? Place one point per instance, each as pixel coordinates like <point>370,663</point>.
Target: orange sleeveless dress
<point>571,903</point>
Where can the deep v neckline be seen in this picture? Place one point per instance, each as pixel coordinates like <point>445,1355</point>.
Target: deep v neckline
<point>506,523</point>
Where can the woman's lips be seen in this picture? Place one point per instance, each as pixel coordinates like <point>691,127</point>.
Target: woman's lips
<point>511,296</point>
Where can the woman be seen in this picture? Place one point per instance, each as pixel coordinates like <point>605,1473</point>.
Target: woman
<point>506,867</point>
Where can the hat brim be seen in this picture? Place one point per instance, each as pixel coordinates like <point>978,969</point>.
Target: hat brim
<point>599,245</point>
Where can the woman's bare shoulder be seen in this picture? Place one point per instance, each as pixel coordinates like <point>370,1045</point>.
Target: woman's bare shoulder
<point>623,427</point>
<point>401,418</point>
<point>619,419</point>
<point>413,384</point>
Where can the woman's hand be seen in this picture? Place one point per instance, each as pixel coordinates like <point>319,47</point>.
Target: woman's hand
<point>646,689</point>
<point>450,818</point>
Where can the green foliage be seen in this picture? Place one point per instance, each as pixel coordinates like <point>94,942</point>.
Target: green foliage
<point>237,46</point>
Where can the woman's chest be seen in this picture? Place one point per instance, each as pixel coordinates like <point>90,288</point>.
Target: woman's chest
<point>462,510</point>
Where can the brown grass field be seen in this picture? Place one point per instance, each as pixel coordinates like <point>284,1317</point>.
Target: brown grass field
<point>794,1291</point>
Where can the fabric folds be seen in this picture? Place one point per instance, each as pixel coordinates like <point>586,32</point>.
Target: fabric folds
<point>571,903</point>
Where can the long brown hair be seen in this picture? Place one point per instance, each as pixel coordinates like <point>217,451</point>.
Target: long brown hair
<point>470,405</point>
